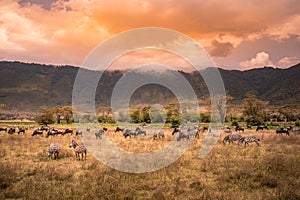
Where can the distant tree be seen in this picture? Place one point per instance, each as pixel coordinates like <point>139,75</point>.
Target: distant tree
<point>290,112</point>
<point>254,110</point>
<point>2,106</point>
<point>145,116</point>
<point>63,113</point>
<point>46,116</point>
<point>135,116</point>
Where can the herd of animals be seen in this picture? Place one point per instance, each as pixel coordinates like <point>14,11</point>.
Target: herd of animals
<point>182,133</point>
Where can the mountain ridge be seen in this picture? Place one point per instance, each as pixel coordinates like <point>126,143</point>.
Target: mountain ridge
<point>28,86</point>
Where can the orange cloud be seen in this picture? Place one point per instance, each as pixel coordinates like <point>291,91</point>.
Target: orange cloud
<point>63,32</point>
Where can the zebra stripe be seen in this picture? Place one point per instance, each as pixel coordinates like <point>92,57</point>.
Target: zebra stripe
<point>249,139</point>
<point>231,138</point>
<point>54,150</point>
<point>79,149</point>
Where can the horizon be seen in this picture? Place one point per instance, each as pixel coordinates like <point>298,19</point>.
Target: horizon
<point>237,35</point>
<point>152,69</point>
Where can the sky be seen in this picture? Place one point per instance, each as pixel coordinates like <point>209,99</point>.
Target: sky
<point>236,34</point>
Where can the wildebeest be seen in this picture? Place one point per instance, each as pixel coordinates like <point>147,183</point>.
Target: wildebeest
<point>37,132</point>
<point>79,150</point>
<point>21,130</point>
<point>227,129</point>
<point>248,139</point>
<point>52,132</point>
<point>119,129</point>
<point>54,150</point>
<point>239,128</point>
<point>231,138</point>
<point>158,135</point>
<point>3,129</point>
<point>261,127</point>
<point>176,130</point>
<point>67,131</point>
<point>11,130</point>
<point>45,128</point>
<point>283,130</point>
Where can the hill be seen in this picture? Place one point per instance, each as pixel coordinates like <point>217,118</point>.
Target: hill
<point>28,86</point>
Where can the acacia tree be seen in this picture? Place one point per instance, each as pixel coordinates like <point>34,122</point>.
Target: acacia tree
<point>46,116</point>
<point>254,110</point>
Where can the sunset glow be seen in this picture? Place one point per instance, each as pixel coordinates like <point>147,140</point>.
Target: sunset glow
<point>237,34</point>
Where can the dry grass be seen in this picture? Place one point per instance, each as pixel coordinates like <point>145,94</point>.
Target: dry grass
<point>270,171</point>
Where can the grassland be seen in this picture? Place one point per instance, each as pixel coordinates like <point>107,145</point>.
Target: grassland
<point>268,171</point>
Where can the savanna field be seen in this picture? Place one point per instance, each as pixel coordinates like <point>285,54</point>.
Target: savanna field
<point>268,171</point>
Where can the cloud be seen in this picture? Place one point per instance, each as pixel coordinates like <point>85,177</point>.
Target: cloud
<point>261,59</point>
<point>64,31</point>
<point>220,49</point>
<point>288,62</point>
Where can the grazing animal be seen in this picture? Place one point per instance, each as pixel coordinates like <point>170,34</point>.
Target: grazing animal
<point>231,138</point>
<point>54,150</point>
<point>129,133</point>
<point>249,127</point>
<point>283,130</point>
<point>11,130</point>
<point>119,129</point>
<point>52,132</point>
<point>67,131</point>
<point>79,150</point>
<point>79,133</point>
<point>183,135</point>
<point>227,130</point>
<point>140,131</point>
<point>99,133</point>
<point>202,129</point>
<point>159,135</point>
<point>176,130</point>
<point>21,130</point>
<point>88,129</point>
<point>3,129</point>
<point>45,128</point>
<point>37,132</point>
<point>239,128</point>
<point>261,127</point>
<point>248,139</point>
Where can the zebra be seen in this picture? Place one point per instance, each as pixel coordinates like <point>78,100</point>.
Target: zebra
<point>159,135</point>
<point>140,131</point>
<point>79,149</point>
<point>79,133</point>
<point>99,133</point>
<point>183,135</point>
<point>129,133</point>
<point>231,138</point>
<point>248,139</point>
<point>37,132</point>
<point>53,150</point>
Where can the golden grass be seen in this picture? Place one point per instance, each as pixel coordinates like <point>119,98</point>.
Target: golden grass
<point>270,171</point>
